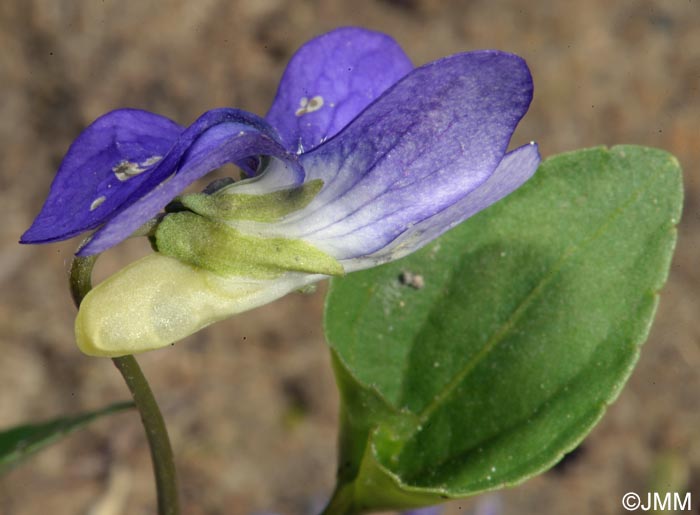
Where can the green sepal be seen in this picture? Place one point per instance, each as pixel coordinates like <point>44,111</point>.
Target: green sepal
<point>268,207</point>
<point>221,249</point>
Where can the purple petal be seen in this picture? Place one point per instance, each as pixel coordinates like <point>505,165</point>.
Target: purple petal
<point>171,162</point>
<point>330,80</point>
<point>89,186</point>
<point>513,171</point>
<point>428,510</point>
<point>423,146</point>
<point>219,143</point>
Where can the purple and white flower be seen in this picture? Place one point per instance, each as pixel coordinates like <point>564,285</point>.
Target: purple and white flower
<point>398,155</point>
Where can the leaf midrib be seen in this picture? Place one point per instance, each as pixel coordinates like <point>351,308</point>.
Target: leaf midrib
<point>442,396</point>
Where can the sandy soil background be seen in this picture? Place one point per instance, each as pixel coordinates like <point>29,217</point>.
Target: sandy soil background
<point>250,402</point>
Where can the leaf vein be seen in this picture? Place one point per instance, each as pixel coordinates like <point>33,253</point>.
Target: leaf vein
<point>499,335</point>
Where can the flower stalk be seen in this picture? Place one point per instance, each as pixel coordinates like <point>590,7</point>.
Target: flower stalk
<point>151,417</point>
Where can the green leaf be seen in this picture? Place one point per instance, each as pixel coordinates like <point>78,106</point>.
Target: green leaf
<point>19,442</point>
<point>524,325</point>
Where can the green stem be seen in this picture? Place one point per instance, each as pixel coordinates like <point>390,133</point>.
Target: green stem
<point>153,423</point>
<point>341,503</point>
<point>156,432</point>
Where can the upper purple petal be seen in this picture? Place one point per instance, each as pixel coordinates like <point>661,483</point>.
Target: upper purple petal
<point>330,80</point>
<point>223,136</point>
<point>428,142</point>
<point>89,187</point>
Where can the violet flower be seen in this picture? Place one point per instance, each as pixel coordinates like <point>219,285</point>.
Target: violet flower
<point>368,159</point>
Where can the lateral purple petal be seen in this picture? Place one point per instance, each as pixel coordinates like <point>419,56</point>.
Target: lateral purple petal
<point>330,80</point>
<point>225,142</point>
<point>102,169</point>
<point>512,172</point>
<point>428,142</point>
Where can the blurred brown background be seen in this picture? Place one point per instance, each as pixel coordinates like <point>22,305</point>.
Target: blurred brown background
<point>250,402</point>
